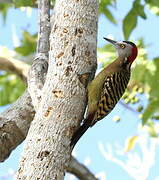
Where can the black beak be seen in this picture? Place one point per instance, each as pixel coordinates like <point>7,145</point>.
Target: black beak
<point>111,41</point>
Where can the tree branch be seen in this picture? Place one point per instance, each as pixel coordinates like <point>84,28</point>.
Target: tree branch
<point>14,128</point>
<point>36,79</point>
<point>38,70</point>
<point>128,107</point>
<point>14,125</point>
<point>79,170</point>
<point>20,130</point>
<point>43,44</point>
<point>16,66</point>
<point>47,151</point>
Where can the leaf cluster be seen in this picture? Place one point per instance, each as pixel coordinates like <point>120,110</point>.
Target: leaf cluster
<point>11,87</point>
<point>28,44</point>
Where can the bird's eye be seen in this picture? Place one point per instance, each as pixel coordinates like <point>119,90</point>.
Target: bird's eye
<point>122,46</point>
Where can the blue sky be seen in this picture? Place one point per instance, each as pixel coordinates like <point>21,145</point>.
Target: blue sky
<point>105,131</point>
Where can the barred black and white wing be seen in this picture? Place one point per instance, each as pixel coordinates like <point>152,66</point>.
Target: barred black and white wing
<point>113,88</point>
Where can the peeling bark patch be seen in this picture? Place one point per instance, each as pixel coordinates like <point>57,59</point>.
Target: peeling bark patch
<point>43,154</point>
<point>48,111</point>
<point>68,70</point>
<point>39,98</point>
<point>58,93</point>
<point>87,53</point>
<point>46,114</point>
<point>59,64</point>
<point>66,43</point>
<point>84,78</point>
<point>73,50</point>
<point>65,30</point>
<point>20,170</point>
<point>50,108</point>
<point>78,32</point>
<point>66,15</point>
<point>69,130</point>
<point>60,54</point>
<point>89,62</point>
<point>55,27</point>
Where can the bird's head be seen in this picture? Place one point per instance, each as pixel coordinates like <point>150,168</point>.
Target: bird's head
<point>126,50</point>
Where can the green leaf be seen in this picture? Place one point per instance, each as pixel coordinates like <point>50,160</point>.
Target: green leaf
<point>11,87</point>
<point>151,129</point>
<point>150,110</point>
<point>129,23</point>
<point>137,75</point>
<point>152,77</point>
<point>152,2</point>
<point>103,9</point>
<point>130,20</point>
<point>4,9</point>
<point>139,9</point>
<point>153,5</point>
<point>21,3</point>
<point>109,15</point>
<point>28,44</point>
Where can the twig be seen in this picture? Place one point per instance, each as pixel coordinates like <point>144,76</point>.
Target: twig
<point>79,170</point>
<point>128,107</point>
<point>37,73</point>
<point>16,66</point>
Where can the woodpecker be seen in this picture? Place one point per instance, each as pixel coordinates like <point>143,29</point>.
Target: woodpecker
<point>108,86</point>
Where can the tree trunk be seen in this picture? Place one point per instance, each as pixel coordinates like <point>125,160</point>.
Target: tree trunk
<point>72,55</point>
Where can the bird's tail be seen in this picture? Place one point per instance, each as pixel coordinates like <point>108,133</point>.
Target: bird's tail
<point>77,135</point>
<point>80,131</point>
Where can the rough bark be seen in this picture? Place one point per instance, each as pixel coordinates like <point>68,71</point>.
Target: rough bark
<point>47,151</point>
<point>15,121</point>
<point>39,68</point>
<point>20,114</point>
<point>14,128</point>
<point>14,125</point>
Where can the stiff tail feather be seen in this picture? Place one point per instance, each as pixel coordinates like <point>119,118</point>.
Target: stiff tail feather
<point>79,133</point>
<point>81,130</point>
